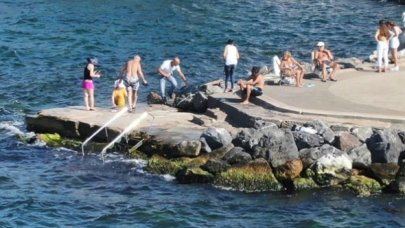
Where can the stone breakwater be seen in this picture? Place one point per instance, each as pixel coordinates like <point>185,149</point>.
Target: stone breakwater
<point>205,148</point>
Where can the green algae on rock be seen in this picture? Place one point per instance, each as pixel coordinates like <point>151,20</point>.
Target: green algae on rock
<point>255,176</point>
<point>363,185</point>
<point>302,183</point>
<point>194,175</point>
<point>162,165</point>
<point>55,140</point>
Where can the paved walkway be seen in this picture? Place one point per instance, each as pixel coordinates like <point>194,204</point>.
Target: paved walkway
<point>359,97</point>
<point>358,93</point>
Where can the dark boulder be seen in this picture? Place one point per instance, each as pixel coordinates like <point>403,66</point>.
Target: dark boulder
<point>215,166</point>
<point>307,140</point>
<point>199,102</point>
<point>384,172</point>
<point>347,141</point>
<point>360,156</point>
<point>323,130</point>
<point>216,137</point>
<point>189,148</point>
<point>154,98</point>
<point>278,146</point>
<point>399,183</point>
<point>237,155</point>
<point>362,133</point>
<point>385,146</point>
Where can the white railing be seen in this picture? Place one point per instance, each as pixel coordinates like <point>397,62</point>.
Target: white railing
<point>126,130</point>
<point>120,113</point>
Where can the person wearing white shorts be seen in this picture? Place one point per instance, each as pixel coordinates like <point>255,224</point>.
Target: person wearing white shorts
<point>395,30</point>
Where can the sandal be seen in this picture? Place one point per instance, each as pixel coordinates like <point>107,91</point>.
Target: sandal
<point>332,79</point>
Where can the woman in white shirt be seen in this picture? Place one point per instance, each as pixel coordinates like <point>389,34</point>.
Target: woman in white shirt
<point>231,57</point>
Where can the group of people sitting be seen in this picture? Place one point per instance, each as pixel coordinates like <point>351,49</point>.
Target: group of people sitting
<point>323,61</point>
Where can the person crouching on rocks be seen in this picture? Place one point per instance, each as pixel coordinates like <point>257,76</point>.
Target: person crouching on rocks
<point>88,84</point>
<point>253,86</point>
<point>119,94</point>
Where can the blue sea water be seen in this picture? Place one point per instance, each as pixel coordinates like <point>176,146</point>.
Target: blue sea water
<point>43,46</point>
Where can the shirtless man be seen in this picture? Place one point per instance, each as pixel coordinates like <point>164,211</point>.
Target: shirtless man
<point>134,71</point>
<point>324,58</point>
<point>252,86</point>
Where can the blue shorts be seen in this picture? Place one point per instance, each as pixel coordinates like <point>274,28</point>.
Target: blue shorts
<point>256,91</point>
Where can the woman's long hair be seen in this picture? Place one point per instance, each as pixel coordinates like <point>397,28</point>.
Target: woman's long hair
<point>384,30</point>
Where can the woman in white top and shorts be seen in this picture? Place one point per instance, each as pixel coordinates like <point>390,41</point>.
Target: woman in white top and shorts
<point>395,30</point>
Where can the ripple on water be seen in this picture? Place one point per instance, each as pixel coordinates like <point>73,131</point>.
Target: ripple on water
<point>43,59</point>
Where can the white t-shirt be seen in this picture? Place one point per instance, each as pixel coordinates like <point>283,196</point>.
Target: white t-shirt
<point>166,66</point>
<point>231,57</point>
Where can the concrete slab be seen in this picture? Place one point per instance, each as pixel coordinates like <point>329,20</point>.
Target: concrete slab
<point>163,123</point>
<point>360,97</point>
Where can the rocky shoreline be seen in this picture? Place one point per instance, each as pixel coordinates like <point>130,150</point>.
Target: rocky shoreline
<point>263,157</point>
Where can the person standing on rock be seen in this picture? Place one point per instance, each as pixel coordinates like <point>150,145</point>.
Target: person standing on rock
<point>231,57</point>
<point>166,71</point>
<point>253,86</point>
<point>133,73</point>
<point>88,84</point>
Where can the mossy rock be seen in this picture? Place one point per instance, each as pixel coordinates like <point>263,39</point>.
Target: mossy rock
<point>72,144</point>
<point>363,185</point>
<point>252,177</point>
<point>136,154</point>
<point>161,165</point>
<point>302,183</point>
<point>194,175</point>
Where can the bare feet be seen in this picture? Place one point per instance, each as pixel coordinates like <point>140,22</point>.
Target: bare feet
<point>245,102</point>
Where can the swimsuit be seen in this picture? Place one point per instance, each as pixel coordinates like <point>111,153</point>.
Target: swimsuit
<point>132,82</point>
<point>256,91</point>
<point>88,84</point>
<point>87,79</point>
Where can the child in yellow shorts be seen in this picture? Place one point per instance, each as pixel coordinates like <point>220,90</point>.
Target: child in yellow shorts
<point>119,94</point>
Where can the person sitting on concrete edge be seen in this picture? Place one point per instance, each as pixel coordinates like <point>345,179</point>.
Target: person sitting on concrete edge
<point>291,68</point>
<point>253,86</point>
<point>324,59</point>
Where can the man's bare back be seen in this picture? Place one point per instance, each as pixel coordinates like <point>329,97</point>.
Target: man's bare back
<point>134,68</point>
<point>258,81</point>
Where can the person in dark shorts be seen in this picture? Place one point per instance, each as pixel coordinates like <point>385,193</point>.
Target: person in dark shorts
<point>253,86</point>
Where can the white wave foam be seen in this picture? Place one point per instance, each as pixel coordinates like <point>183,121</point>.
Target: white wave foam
<point>168,177</point>
<point>225,188</point>
<point>10,127</point>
